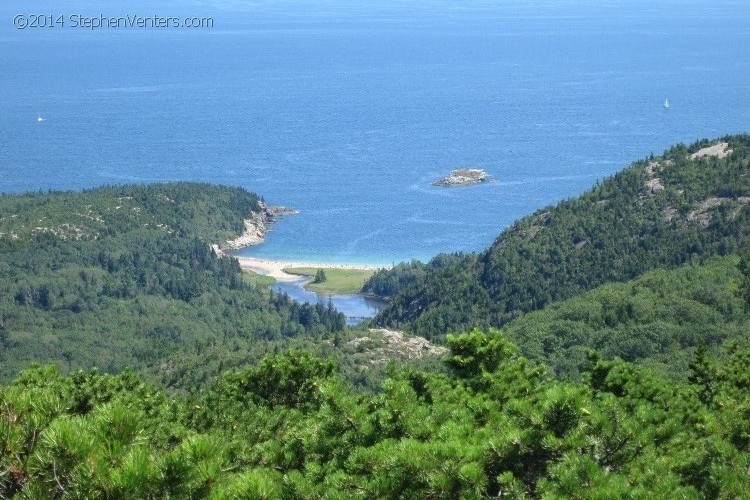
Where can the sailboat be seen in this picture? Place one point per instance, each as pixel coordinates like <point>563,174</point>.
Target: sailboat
<point>40,119</point>
<point>666,103</point>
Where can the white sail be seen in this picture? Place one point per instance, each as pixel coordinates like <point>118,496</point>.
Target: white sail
<point>666,103</point>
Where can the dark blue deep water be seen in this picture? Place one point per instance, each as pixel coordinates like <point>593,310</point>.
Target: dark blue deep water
<point>348,110</point>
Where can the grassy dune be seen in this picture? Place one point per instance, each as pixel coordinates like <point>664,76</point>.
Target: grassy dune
<point>342,281</point>
<point>258,279</point>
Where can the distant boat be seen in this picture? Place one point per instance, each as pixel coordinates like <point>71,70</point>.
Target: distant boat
<point>666,103</point>
<point>40,119</point>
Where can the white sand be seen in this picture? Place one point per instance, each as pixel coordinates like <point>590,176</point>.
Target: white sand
<point>275,268</point>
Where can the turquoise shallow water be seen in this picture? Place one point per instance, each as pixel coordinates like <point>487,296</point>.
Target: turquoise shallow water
<point>348,112</point>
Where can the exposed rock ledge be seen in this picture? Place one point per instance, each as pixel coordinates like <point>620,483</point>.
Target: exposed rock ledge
<point>720,150</point>
<point>256,228</point>
<point>701,215</point>
<point>463,177</point>
<point>383,345</point>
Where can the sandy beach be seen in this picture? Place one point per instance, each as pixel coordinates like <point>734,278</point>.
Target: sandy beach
<point>275,268</point>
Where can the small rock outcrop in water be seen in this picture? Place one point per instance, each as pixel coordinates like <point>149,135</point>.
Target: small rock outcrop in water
<point>463,177</point>
<point>256,228</point>
<point>279,211</point>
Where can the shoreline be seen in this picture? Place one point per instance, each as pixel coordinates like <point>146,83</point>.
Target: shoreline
<point>255,229</point>
<point>275,268</point>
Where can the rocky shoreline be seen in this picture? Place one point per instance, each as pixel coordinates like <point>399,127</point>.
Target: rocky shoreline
<point>463,177</point>
<point>256,228</point>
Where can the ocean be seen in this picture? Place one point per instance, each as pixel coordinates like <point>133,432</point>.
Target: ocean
<point>348,111</point>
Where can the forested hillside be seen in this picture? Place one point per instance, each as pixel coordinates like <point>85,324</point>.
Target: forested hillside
<point>290,428</point>
<point>662,212</point>
<point>644,267</point>
<point>660,319</point>
<point>125,277</point>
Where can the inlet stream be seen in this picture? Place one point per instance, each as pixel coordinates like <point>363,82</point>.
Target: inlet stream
<point>355,307</point>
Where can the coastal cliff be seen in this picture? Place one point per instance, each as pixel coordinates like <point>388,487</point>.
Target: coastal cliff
<point>256,228</point>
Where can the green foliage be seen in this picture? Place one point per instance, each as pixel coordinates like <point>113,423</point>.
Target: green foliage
<point>291,380</point>
<point>744,291</point>
<point>658,319</point>
<point>125,277</point>
<point>388,282</point>
<point>616,231</point>
<point>477,353</point>
<point>290,429</point>
<point>320,276</point>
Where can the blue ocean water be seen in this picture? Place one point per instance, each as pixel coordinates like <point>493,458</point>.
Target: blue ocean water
<point>348,111</point>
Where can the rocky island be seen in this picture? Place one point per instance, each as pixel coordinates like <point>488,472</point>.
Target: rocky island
<point>463,177</point>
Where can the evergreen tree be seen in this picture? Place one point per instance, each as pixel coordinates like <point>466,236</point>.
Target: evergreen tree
<point>320,276</point>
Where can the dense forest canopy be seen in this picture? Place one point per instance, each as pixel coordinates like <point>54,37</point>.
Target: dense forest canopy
<point>210,386</point>
<point>290,428</point>
<point>662,212</point>
<point>124,276</point>
<point>660,319</point>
